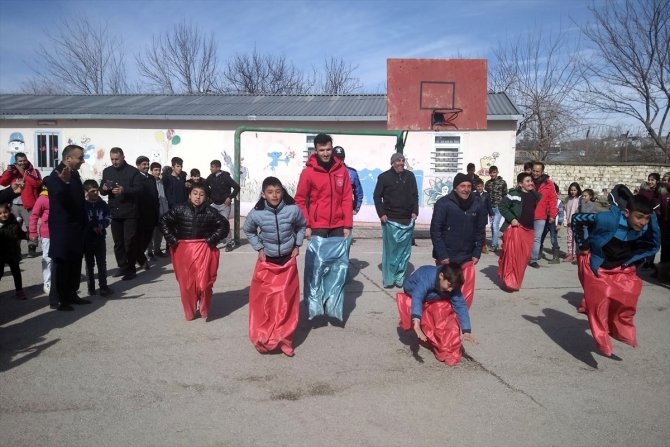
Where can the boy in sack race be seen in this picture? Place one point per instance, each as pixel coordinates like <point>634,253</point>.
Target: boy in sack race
<point>275,228</point>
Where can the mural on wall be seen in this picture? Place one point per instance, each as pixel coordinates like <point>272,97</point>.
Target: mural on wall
<point>94,158</point>
<point>277,151</point>
<point>368,179</point>
<point>167,139</point>
<point>438,188</point>
<point>16,144</point>
<point>485,163</point>
<point>229,165</point>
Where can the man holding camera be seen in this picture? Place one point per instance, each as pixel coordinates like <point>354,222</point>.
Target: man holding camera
<point>123,184</point>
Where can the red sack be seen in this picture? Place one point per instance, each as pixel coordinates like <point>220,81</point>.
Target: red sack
<point>611,303</point>
<point>517,246</point>
<point>582,263</point>
<point>438,322</point>
<point>274,305</point>
<point>195,266</point>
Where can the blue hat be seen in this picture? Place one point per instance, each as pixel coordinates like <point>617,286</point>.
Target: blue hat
<point>16,136</point>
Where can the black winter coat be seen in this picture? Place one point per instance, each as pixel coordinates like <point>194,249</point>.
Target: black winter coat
<point>147,202</point>
<point>221,187</point>
<point>457,233</point>
<point>396,195</point>
<point>123,206</point>
<point>67,216</point>
<point>187,221</point>
<point>10,240</point>
<point>175,189</point>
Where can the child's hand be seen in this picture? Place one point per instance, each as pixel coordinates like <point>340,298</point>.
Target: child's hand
<point>261,255</point>
<point>514,223</point>
<point>417,329</point>
<point>308,233</point>
<point>470,339</point>
<point>295,252</point>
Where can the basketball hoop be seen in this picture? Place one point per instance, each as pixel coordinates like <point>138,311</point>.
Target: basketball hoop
<point>443,119</point>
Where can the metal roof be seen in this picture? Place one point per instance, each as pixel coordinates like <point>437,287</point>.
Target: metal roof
<point>216,107</point>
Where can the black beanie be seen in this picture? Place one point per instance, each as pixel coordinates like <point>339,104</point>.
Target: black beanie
<point>460,178</point>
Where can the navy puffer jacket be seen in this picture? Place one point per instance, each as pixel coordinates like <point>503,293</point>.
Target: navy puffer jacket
<point>457,233</point>
<point>281,228</point>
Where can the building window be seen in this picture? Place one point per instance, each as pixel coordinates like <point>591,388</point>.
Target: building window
<point>48,150</point>
<point>309,148</point>
<point>447,155</point>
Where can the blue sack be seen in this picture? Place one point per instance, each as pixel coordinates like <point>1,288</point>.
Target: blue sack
<point>326,265</point>
<point>397,240</point>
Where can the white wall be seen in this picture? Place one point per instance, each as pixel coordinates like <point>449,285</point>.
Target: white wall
<point>264,154</point>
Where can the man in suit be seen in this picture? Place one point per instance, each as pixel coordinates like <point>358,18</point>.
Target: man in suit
<point>148,207</point>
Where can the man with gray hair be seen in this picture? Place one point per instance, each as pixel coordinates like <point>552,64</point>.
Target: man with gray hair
<point>396,200</point>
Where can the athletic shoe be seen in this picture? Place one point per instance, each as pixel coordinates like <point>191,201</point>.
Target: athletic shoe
<point>535,265</point>
<point>104,291</point>
<point>20,295</point>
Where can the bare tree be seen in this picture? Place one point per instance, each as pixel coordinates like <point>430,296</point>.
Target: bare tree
<point>338,78</point>
<point>257,73</point>
<point>629,73</point>
<point>83,57</point>
<point>180,61</point>
<point>539,73</point>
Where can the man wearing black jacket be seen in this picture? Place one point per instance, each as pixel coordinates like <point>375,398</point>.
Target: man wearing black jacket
<point>222,190</point>
<point>123,184</point>
<point>175,184</point>
<point>147,203</point>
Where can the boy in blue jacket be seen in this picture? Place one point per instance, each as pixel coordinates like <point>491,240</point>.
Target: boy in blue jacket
<point>430,283</point>
<point>98,218</point>
<point>618,240</point>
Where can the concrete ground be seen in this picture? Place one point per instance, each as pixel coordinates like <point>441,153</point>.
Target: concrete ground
<point>130,371</point>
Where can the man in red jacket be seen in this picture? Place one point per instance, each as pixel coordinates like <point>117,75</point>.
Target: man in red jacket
<point>546,209</point>
<point>24,172</point>
<point>324,197</point>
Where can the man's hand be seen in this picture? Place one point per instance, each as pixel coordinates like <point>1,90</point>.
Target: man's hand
<point>308,233</point>
<point>417,329</point>
<point>583,252</point>
<point>261,255</point>
<point>384,218</point>
<point>414,216</point>
<point>470,339</point>
<point>117,190</point>
<point>514,223</point>
<point>17,186</point>
<point>228,201</point>
<point>475,260</point>
<point>99,229</point>
<point>295,252</point>
<point>444,261</point>
<point>65,174</point>
<point>346,232</point>
<point>355,212</point>
<point>551,220</point>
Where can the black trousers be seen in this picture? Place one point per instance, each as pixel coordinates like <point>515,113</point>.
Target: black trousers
<point>65,277</point>
<point>95,252</point>
<point>124,233</point>
<point>145,235</point>
<point>16,273</point>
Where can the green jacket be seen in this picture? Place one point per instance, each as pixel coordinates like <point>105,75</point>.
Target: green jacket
<point>510,206</point>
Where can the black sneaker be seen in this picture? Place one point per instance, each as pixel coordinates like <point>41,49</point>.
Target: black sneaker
<point>120,272</point>
<point>78,300</point>
<point>535,265</point>
<point>104,291</point>
<point>91,292</point>
<point>128,276</point>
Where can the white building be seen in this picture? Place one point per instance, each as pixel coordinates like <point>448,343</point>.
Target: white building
<point>201,128</point>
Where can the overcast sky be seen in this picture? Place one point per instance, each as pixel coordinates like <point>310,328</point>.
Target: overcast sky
<point>363,32</point>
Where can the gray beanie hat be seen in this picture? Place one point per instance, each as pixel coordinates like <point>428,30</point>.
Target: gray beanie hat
<point>397,156</point>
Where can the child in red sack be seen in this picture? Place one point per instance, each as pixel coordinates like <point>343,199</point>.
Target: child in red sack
<point>434,303</point>
<point>192,230</point>
<point>618,240</point>
<point>518,210</point>
<point>275,228</point>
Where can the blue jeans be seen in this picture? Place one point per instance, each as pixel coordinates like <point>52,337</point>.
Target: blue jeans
<point>551,229</point>
<point>495,227</point>
<point>538,226</point>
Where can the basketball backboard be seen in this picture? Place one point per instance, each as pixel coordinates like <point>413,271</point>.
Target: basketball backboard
<point>436,94</point>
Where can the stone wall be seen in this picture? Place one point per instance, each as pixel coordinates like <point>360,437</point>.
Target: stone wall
<point>598,176</point>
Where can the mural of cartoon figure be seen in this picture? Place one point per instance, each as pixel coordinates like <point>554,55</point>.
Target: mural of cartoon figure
<point>167,139</point>
<point>230,167</point>
<point>16,144</point>
<point>439,187</point>
<point>485,163</point>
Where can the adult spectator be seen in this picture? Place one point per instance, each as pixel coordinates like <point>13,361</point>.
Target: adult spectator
<point>9,194</point>
<point>396,199</point>
<point>528,167</point>
<point>474,178</point>
<point>67,219</point>
<point>222,190</point>
<point>23,171</point>
<point>324,197</point>
<point>456,228</point>
<point>651,191</point>
<point>148,210</point>
<point>356,188</point>
<point>546,209</point>
<point>497,189</point>
<point>123,184</point>
<point>175,184</point>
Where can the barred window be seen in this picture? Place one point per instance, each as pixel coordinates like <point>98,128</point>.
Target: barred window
<point>47,149</point>
<point>447,154</point>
